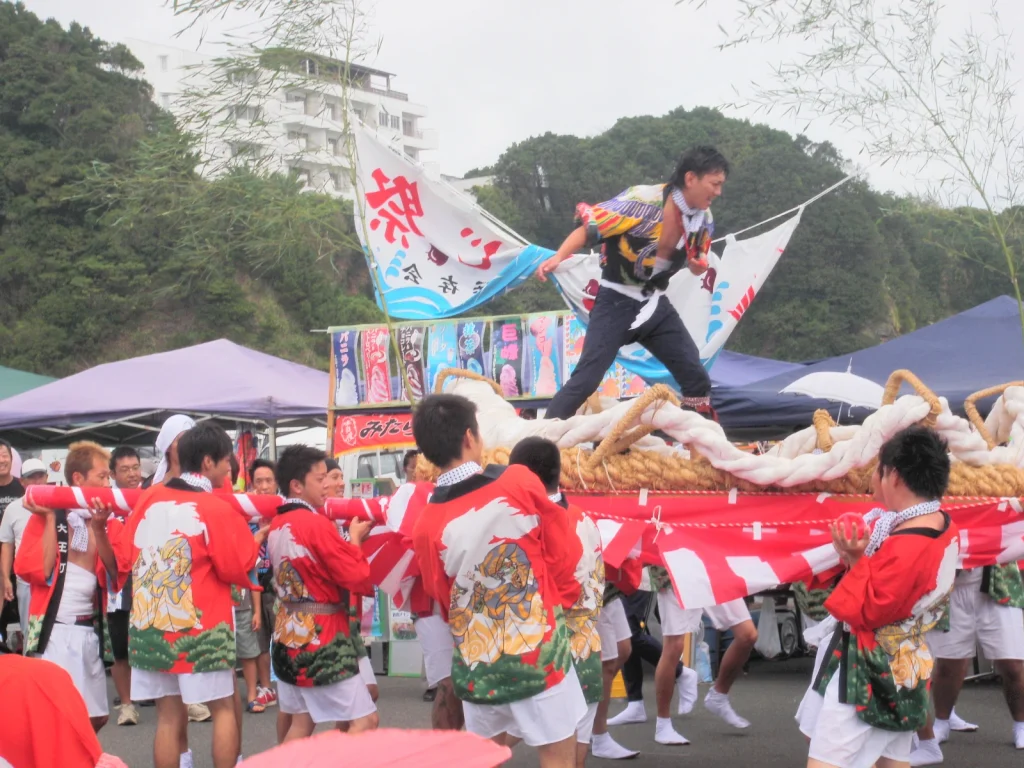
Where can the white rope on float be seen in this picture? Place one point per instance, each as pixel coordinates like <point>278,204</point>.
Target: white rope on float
<point>791,463</point>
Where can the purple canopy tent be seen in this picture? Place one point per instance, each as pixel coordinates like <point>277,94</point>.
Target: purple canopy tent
<point>126,401</point>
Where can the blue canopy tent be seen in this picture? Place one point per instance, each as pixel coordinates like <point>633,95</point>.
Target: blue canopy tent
<point>734,369</point>
<point>955,357</point>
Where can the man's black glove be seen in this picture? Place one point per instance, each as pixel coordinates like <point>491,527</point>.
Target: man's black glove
<point>657,283</point>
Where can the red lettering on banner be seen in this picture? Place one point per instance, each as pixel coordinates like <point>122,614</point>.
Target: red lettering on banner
<point>489,250</point>
<point>398,215</point>
<point>370,431</point>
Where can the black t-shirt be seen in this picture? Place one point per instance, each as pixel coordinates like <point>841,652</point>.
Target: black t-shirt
<point>13,491</point>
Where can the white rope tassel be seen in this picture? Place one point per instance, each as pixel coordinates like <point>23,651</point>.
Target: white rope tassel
<point>656,522</point>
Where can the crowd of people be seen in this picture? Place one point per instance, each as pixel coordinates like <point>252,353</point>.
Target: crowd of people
<point>523,627</point>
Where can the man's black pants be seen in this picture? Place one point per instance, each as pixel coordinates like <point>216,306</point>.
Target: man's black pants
<point>645,647</point>
<point>663,335</point>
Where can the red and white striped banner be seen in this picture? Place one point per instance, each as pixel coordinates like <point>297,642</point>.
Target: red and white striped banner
<point>720,547</point>
<point>717,547</point>
<point>393,566</point>
<point>255,507</point>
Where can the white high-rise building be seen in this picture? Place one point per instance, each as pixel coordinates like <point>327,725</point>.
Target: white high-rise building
<point>292,127</point>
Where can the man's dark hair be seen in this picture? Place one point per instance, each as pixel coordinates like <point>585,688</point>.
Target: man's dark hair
<point>122,452</point>
<point>332,464</point>
<point>294,463</point>
<point>700,160</point>
<point>921,459</point>
<point>439,423</point>
<point>8,446</point>
<point>205,439</point>
<point>262,464</point>
<point>540,456</point>
<point>236,468</point>
<point>410,456</point>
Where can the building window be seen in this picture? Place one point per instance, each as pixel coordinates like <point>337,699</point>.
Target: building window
<point>309,67</point>
<point>245,150</point>
<point>396,122</point>
<point>295,97</point>
<point>163,63</point>
<point>242,77</point>
<point>332,146</point>
<point>382,119</point>
<point>300,137</point>
<point>335,110</point>
<point>339,181</point>
<point>300,174</point>
<point>165,100</point>
<point>246,112</point>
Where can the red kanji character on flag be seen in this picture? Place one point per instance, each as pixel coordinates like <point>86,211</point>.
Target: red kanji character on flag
<point>398,205</point>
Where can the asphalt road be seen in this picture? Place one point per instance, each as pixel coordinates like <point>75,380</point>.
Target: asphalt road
<point>767,696</point>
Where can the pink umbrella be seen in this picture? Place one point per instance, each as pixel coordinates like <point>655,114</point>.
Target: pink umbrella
<point>388,748</point>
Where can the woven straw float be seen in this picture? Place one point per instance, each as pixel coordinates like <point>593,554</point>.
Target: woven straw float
<point>608,447</point>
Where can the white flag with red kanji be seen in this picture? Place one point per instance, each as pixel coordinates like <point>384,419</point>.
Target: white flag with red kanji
<point>433,252</point>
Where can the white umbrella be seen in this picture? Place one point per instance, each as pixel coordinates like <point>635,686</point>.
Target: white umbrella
<point>842,387</point>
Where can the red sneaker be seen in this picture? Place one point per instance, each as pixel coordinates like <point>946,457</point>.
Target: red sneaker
<point>267,697</point>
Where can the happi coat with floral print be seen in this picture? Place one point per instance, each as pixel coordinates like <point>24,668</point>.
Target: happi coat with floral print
<point>884,605</point>
<point>500,558</point>
<point>314,565</point>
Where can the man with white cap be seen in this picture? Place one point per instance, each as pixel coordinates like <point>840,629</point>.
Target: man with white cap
<point>167,448</point>
<point>16,517</point>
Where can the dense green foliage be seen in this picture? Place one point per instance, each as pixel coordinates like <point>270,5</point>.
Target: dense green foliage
<point>112,245</point>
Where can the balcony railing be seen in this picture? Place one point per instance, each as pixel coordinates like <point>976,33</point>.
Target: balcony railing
<point>390,94</point>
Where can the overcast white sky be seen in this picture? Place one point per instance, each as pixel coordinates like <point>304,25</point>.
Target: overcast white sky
<point>493,73</point>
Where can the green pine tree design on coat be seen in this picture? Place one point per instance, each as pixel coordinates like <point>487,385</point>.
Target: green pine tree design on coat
<point>591,679</point>
<point>285,667</point>
<point>35,630</point>
<point>510,678</point>
<point>812,601</point>
<point>1006,586</point>
<point>334,662</point>
<point>872,690</point>
<point>209,651</point>
<point>659,578</point>
<point>147,649</point>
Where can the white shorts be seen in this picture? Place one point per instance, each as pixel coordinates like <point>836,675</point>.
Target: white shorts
<point>192,687</point>
<point>976,619</point>
<point>612,628</point>
<point>345,701</point>
<point>438,646</point>
<point>844,740</point>
<point>585,727</point>
<point>676,620</point>
<point>547,718</point>
<point>810,706</point>
<point>76,650</point>
<point>366,671</point>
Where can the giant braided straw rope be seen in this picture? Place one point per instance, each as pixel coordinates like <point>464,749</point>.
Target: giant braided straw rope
<point>611,450</point>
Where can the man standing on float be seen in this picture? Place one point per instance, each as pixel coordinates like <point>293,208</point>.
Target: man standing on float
<point>647,233</point>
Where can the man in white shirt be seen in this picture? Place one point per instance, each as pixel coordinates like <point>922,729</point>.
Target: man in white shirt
<point>33,472</point>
